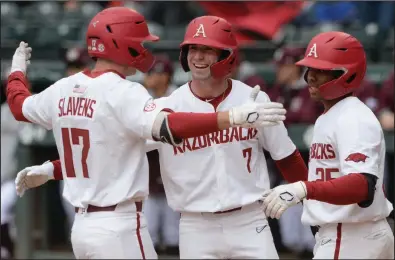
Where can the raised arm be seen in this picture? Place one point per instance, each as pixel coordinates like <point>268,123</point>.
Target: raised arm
<point>17,85</point>
<point>23,105</point>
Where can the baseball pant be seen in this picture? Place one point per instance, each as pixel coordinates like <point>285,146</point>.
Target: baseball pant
<point>161,220</point>
<point>240,234</point>
<point>366,240</point>
<point>118,234</point>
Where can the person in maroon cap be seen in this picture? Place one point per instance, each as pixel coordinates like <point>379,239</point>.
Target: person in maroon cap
<point>290,88</point>
<point>250,76</point>
<point>76,59</point>
<point>385,114</point>
<point>254,80</point>
<point>368,94</point>
<point>158,80</point>
<point>386,104</point>
<point>162,220</point>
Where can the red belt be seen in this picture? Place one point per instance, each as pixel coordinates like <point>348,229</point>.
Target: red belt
<point>92,208</point>
<point>227,211</point>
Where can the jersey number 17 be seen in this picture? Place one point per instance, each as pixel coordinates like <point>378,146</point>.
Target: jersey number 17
<point>72,136</point>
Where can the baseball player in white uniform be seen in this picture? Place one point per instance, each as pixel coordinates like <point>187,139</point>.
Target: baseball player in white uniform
<point>101,121</point>
<point>216,180</point>
<point>343,196</point>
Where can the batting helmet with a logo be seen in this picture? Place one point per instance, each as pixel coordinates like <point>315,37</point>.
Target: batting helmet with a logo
<point>118,34</point>
<point>336,51</point>
<point>214,32</point>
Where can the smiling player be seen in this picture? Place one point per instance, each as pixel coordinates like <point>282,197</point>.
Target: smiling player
<point>216,180</point>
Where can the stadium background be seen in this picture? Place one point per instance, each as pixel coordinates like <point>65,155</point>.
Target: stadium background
<point>264,30</point>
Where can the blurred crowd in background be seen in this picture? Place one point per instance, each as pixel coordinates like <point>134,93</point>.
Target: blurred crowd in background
<point>272,35</point>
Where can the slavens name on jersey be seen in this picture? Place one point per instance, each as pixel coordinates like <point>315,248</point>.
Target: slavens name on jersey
<point>76,106</point>
<point>234,134</point>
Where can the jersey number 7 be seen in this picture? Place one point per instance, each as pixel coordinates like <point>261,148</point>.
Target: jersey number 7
<point>75,134</point>
<point>247,154</point>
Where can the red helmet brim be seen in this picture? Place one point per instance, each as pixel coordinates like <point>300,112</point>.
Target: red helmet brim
<point>152,38</point>
<point>316,64</point>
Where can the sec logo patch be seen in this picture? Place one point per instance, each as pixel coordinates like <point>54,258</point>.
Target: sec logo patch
<point>149,107</point>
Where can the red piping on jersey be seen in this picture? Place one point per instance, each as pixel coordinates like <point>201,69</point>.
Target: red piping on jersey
<point>187,125</point>
<point>57,170</point>
<point>17,91</point>
<point>95,74</point>
<point>338,241</point>
<point>337,191</point>
<point>215,100</point>
<point>139,236</point>
<point>293,168</point>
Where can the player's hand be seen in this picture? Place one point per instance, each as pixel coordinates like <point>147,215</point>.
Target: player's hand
<point>32,177</point>
<point>254,114</point>
<point>277,200</point>
<point>21,58</point>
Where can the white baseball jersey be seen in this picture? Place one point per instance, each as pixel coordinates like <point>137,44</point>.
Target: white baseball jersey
<point>222,170</point>
<point>347,139</point>
<point>100,125</point>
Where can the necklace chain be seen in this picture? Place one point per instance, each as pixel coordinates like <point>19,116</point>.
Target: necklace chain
<point>223,96</point>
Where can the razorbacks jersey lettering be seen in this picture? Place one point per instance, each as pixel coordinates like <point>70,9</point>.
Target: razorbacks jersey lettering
<point>221,170</point>
<point>347,139</point>
<point>100,125</point>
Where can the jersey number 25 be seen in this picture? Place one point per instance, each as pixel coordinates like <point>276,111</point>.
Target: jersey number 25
<point>72,136</point>
<point>325,174</point>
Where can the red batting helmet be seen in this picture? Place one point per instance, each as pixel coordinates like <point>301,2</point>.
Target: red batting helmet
<point>117,34</point>
<point>215,32</point>
<point>336,51</point>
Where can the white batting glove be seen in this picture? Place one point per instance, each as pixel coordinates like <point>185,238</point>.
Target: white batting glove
<point>21,58</point>
<point>277,200</point>
<point>33,176</point>
<point>254,114</point>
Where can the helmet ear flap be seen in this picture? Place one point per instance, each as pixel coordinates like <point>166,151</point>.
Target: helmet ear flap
<point>225,66</point>
<point>305,75</point>
<point>183,58</point>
